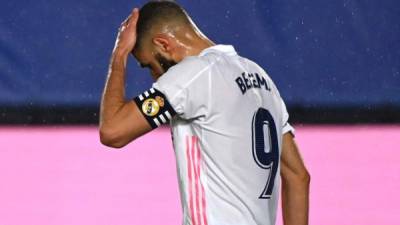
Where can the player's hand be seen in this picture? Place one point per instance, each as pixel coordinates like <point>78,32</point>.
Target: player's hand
<point>126,38</point>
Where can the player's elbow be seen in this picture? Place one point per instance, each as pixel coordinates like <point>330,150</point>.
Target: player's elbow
<point>304,177</point>
<point>111,138</point>
<point>298,177</point>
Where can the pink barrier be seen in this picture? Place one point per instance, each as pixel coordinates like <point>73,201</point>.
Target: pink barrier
<point>63,176</point>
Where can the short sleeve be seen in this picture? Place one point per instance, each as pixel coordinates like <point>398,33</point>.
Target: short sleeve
<point>286,127</point>
<point>185,86</point>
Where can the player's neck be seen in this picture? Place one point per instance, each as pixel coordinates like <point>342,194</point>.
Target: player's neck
<point>200,44</point>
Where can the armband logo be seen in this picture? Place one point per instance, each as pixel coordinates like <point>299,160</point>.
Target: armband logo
<point>155,107</point>
<point>151,107</point>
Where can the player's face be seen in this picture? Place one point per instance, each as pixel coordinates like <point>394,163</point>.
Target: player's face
<point>154,61</point>
<point>164,62</point>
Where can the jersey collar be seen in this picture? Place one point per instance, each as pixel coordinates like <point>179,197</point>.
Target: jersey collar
<point>227,49</point>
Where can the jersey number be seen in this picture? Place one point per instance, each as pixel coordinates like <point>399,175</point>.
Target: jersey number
<point>265,147</point>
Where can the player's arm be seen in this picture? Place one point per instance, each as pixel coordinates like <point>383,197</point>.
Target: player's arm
<point>121,121</point>
<point>295,184</point>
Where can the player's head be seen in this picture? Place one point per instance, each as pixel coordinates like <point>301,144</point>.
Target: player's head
<point>165,35</point>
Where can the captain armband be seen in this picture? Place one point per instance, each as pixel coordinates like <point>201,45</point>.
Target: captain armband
<point>155,107</point>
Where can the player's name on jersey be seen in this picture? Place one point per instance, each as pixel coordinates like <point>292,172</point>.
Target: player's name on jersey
<point>251,80</point>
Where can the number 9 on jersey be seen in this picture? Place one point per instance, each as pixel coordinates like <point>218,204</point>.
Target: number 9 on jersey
<point>269,159</point>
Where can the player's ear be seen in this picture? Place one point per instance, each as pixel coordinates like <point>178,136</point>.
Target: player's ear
<point>164,43</point>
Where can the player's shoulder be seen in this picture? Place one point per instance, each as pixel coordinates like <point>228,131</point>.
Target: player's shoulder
<point>185,71</point>
<point>182,82</point>
<point>195,65</point>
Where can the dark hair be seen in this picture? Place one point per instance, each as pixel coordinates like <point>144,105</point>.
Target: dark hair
<point>156,13</point>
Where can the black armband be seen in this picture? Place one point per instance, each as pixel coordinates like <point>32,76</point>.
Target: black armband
<point>155,107</point>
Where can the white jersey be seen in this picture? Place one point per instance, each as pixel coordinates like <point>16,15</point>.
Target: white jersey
<point>227,137</point>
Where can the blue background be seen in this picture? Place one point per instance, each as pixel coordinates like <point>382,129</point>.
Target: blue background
<point>319,53</point>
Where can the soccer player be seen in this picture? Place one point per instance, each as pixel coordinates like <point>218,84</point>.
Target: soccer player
<point>232,140</point>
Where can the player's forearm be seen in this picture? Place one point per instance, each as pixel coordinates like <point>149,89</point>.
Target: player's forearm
<point>114,91</point>
<point>295,201</point>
